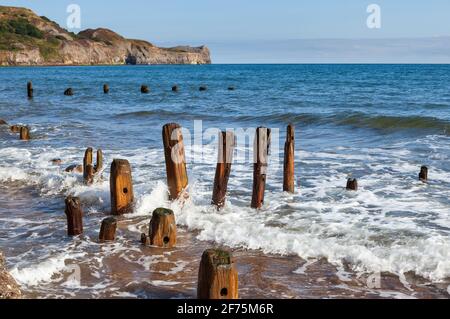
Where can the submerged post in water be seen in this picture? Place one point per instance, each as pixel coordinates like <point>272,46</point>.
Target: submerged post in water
<point>423,176</point>
<point>108,229</point>
<point>163,228</point>
<point>87,161</point>
<point>30,90</point>
<point>289,160</point>
<point>177,179</point>
<point>121,187</point>
<point>74,215</point>
<point>227,143</point>
<point>217,276</point>
<point>105,88</point>
<point>24,133</point>
<point>261,160</point>
<point>352,184</point>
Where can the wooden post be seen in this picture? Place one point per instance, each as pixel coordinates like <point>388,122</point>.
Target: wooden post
<point>203,88</point>
<point>90,172</point>
<point>105,88</point>
<point>74,215</point>
<point>227,142</point>
<point>163,229</point>
<point>261,150</point>
<point>108,229</point>
<point>177,179</point>
<point>15,128</point>
<point>352,184</point>
<point>174,88</point>
<point>121,187</point>
<point>423,176</point>
<point>217,277</point>
<point>30,90</point>
<point>289,160</point>
<point>68,92</point>
<point>88,158</point>
<point>231,88</point>
<point>24,133</point>
<point>145,239</point>
<point>74,168</point>
<point>99,165</point>
<point>145,89</point>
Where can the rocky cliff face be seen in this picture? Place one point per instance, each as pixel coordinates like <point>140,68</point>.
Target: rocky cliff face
<point>8,286</point>
<point>27,39</point>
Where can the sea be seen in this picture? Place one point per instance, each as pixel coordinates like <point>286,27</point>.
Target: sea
<point>377,123</point>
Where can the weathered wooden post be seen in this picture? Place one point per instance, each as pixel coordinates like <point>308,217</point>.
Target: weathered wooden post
<point>30,90</point>
<point>177,179</point>
<point>105,88</point>
<point>74,215</point>
<point>352,184</point>
<point>145,89</point>
<point>87,161</point>
<point>423,176</point>
<point>261,160</point>
<point>90,172</point>
<point>227,143</point>
<point>99,164</point>
<point>15,128</point>
<point>217,276</point>
<point>121,187</point>
<point>68,92</point>
<point>108,229</point>
<point>289,160</point>
<point>24,133</point>
<point>163,228</point>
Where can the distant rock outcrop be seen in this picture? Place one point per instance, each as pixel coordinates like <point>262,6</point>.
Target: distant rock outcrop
<point>27,39</point>
<point>9,289</point>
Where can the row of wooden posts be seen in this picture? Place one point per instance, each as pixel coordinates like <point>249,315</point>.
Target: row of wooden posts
<point>106,89</point>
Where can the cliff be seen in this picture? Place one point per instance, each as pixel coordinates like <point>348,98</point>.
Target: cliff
<point>27,39</point>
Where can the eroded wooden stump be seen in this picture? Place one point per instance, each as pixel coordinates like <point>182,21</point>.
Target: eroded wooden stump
<point>24,133</point>
<point>352,184</point>
<point>177,179</point>
<point>218,276</point>
<point>99,164</point>
<point>261,160</point>
<point>87,164</point>
<point>108,229</point>
<point>163,228</point>
<point>89,174</point>
<point>423,175</point>
<point>68,92</point>
<point>145,89</point>
<point>74,215</point>
<point>15,128</point>
<point>30,90</point>
<point>227,143</point>
<point>105,88</point>
<point>121,187</point>
<point>74,168</point>
<point>289,161</point>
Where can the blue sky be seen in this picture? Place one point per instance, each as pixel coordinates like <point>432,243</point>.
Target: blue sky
<point>222,24</point>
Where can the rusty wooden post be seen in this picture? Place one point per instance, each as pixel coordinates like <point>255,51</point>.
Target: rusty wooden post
<point>68,92</point>
<point>30,90</point>
<point>289,160</point>
<point>217,276</point>
<point>121,187</point>
<point>105,88</point>
<point>24,133</point>
<point>99,164</point>
<point>74,215</point>
<point>227,143</point>
<point>87,160</point>
<point>145,89</point>
<point>177,179</point>
<point>423,176</point>
<point>108,229</point>
<point>163,228</point>
<point>261,160</point>
<point>352,184</point>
